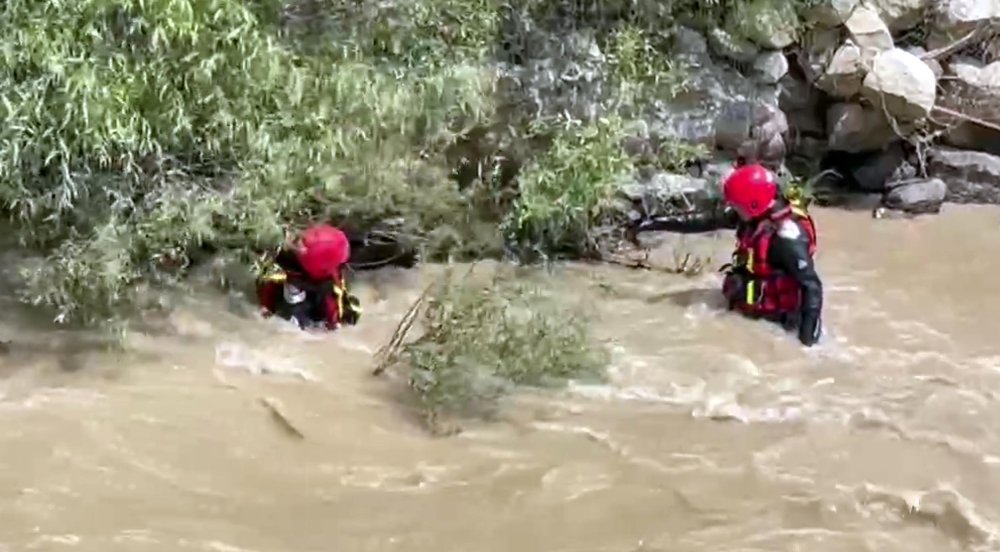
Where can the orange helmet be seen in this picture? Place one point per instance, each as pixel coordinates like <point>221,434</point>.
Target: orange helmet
<point>323,250</point>
<point>751,189</point>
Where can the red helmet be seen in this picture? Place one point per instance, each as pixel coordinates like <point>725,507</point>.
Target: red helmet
<point>323,250</point>
<point>751,189</point>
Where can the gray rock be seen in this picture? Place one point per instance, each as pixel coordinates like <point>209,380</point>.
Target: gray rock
<point>770,67</point>
<point>767,137</point>
<point>801,104</point>
<point>725,45</point>
<point>934,64</point>
<point>971,176</point>
<point>690,42</point>
<point>832,13</point>
<point>868,31</point>
<point>807,154</point>
<point>816,51</point>
<point>755,131</point>
<point>692,116</point>
<point>855,128</point>
<point>876,172</point>
<point>902,83</point>
<point>732,128</point>
<point>560,73</point>
<point>973,136</point>
<point>955,18</point>
<point>844,74</point>
<point>901,15</point>
<point>919,196</point>
<point>771,24</point>
<point>972,90</point>
<point>664,193</point>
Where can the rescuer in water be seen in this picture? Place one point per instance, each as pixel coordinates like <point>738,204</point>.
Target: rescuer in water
<point>308,285</point>
<point>772,275</point>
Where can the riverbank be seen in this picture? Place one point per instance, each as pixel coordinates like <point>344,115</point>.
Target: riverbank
<point>141,142</point>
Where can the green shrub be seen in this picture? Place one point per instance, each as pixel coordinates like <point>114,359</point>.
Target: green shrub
<point>483,340</point>
<point>563,192</point>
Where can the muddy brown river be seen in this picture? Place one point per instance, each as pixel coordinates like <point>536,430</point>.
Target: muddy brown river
<point>715,433</point>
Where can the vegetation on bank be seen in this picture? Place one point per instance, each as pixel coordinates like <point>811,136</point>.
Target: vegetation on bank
<point>141,134</point>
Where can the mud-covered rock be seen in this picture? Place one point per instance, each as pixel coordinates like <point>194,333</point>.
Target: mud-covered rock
<point>917,196</point>
<point>903,84</point>
<point>971,176</point>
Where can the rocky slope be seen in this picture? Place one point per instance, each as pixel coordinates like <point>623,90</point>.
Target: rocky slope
<point>900,98</point>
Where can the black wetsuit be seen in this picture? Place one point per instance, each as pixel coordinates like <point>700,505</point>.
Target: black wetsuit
<point>312,310</point>
<point>789,255</point>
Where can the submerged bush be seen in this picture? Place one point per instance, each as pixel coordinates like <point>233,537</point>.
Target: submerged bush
<point>482,340</point>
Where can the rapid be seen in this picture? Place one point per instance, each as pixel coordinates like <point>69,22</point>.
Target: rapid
<point>715,433</point>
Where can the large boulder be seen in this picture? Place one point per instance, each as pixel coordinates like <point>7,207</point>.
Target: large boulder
<point>901,15</point>
<point>934,64</point>
<point>974,136</point>
<point>771,24</point>
<point>770,67</point>
<point>662,194</point>
<point>689,42</point>
<point>715,87</point>
<point>754,130</point>
<point>901,83</point>
<point>832,13</point>
<point>767,143</point>
<point>868,31</point>
<point>972,90</point>
<point>879,170</point>
<point>802,105</point>
<point>955,18</point>
<point>917,196</point>
<point>971,176</point>
<point>855,128</point>
<point>556,73</point>
<point>845,72</point>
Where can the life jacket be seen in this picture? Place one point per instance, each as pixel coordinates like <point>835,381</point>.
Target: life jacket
<point>752,285</point>
<point>338,305</point>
